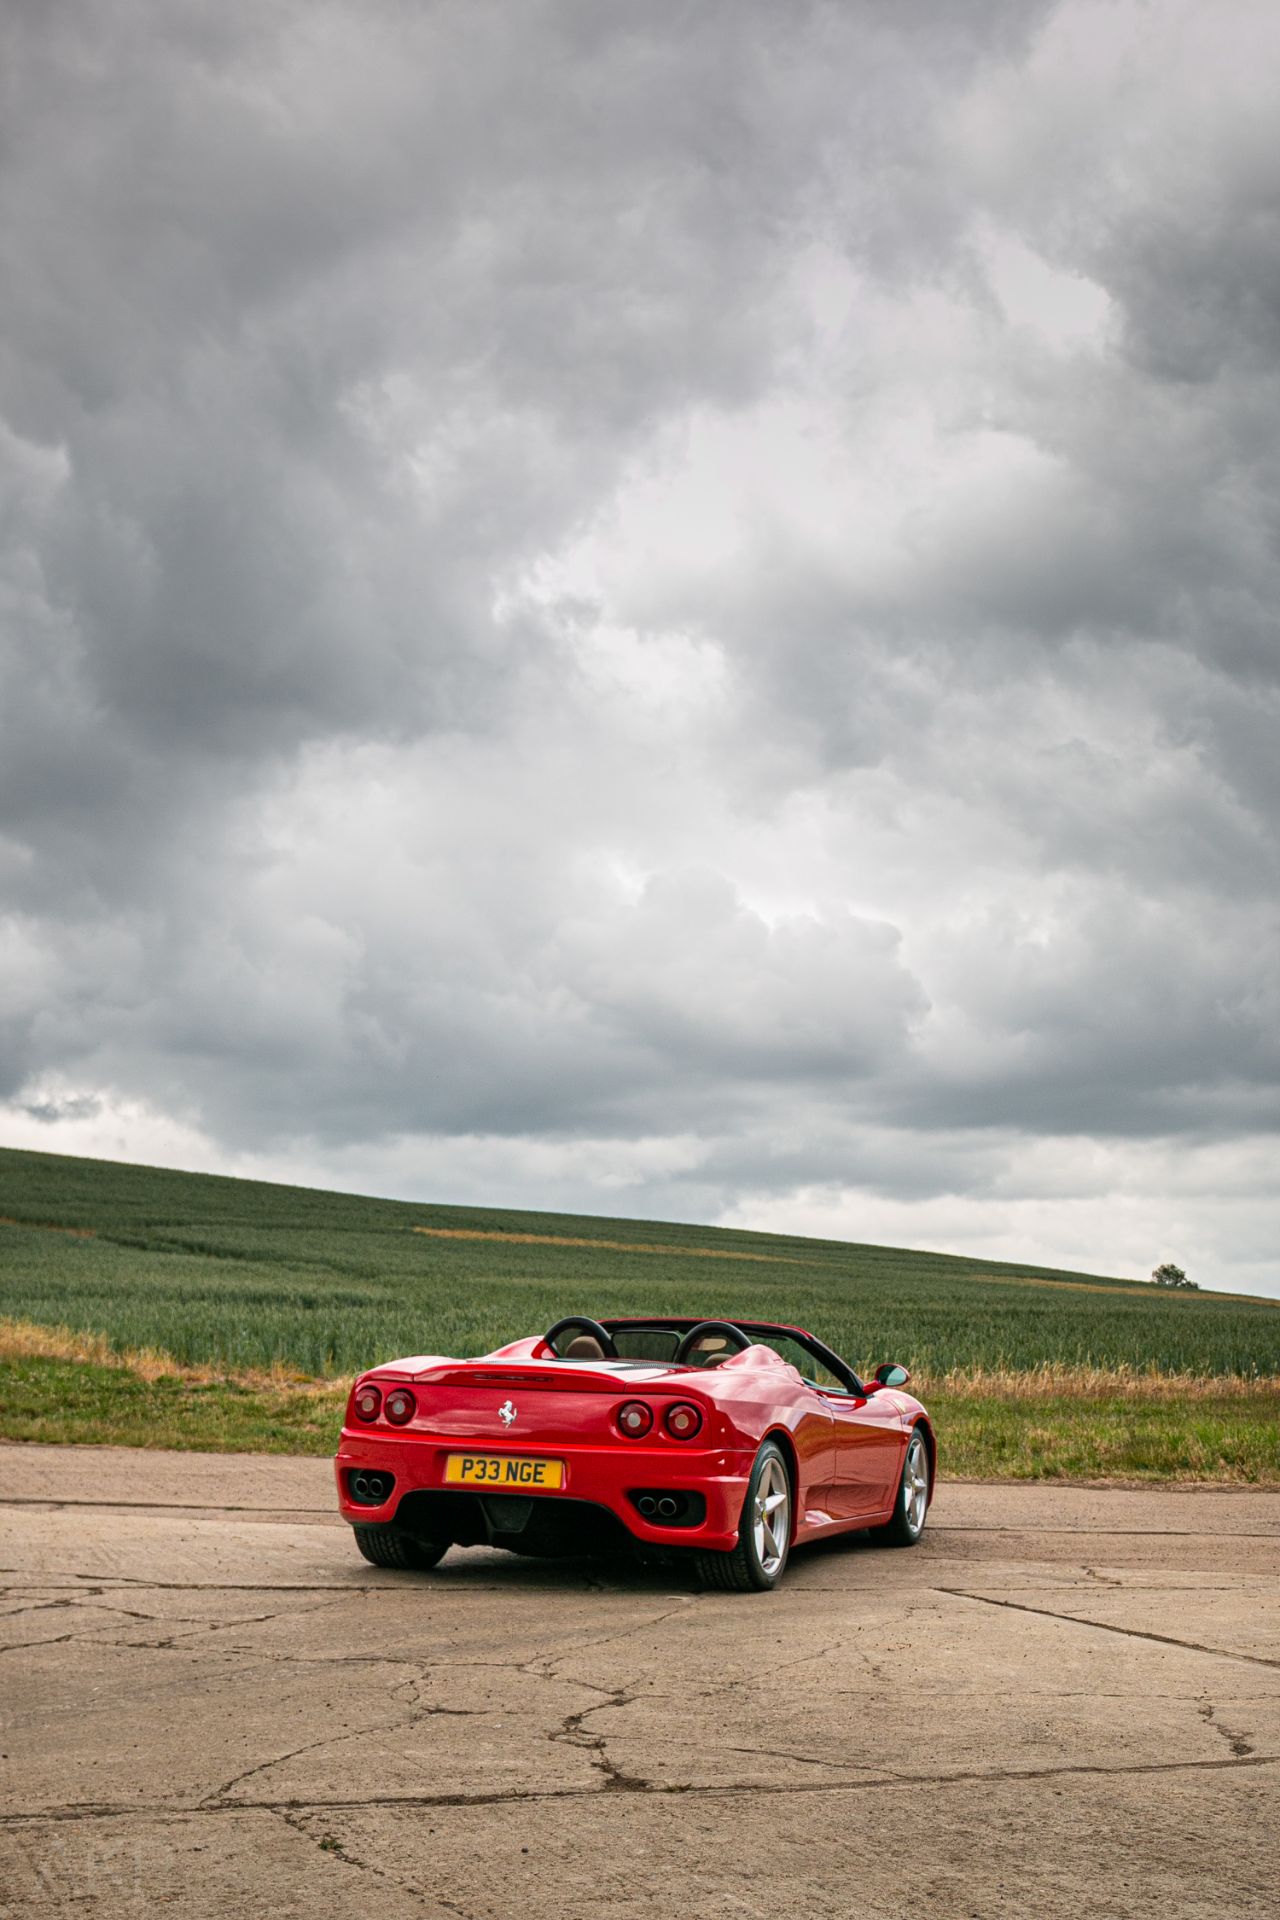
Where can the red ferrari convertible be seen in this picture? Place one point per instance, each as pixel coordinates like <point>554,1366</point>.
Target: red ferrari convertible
<point>731,1442</point>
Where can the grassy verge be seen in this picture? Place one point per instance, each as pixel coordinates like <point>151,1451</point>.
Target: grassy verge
<point>75,1388</point>
<point>78,1402</point>
<point>1229,1439</point>
<point>1055,1423</point>
<point>1092,1423</point>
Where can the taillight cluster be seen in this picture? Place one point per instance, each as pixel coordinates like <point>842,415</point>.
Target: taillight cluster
<point>635,1418</point>
<point>399,1406</point>
<point>368,1401</point>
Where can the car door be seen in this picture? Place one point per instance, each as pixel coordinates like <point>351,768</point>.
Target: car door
<point>812,1431</point>
<point>817,1430</point>
<point>868,1449</point>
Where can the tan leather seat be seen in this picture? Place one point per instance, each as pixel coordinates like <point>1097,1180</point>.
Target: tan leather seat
<point>583,1346</point>
<point>711,1351</point>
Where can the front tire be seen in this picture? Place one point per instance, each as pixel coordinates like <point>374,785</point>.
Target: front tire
<point>389,1547</point>
<point>759,1560</point>
<point>908,1519</point>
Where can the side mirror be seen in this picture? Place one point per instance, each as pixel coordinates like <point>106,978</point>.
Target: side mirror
<point>891,1376</point>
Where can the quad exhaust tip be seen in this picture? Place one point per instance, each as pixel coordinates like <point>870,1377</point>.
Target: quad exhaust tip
<point>665,1506</point>
<point>669,1506</point>
<point>371,1489</point>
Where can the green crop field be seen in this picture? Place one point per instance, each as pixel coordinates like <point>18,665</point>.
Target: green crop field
<point>167,1309</point>
<point>241,1274</point>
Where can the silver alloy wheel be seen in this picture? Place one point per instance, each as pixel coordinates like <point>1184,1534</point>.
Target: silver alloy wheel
<point>915,1484</point>
<point>771,1517</point>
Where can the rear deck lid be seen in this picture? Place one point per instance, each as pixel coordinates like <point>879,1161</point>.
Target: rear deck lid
<point>541,1402</point>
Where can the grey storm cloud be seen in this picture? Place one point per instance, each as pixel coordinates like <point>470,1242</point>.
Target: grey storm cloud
<point>688,592</point>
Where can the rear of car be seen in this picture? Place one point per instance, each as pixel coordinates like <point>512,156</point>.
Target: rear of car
<point>539,1456</point>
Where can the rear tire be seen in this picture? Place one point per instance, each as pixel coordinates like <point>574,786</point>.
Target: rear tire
<point>909,1515</point>
<point>389,1547</point>
<point>759,1560</point>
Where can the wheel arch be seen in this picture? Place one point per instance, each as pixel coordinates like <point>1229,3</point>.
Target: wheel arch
<point>923,1425</point>
<point>787,1448</point>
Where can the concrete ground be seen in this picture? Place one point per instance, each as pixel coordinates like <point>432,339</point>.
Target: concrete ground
<point>1063,1702</point>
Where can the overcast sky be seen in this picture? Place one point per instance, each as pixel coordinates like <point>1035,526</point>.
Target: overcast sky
<point>665,609</point>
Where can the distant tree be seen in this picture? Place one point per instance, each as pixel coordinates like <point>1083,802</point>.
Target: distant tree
<point>1168,1275</point>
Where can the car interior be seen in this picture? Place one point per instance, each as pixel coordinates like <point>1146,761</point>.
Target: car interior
<point>650,1343</point>
<point>703,1345</point>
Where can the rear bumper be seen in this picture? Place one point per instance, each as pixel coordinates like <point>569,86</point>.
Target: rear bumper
<point>599,1476</point>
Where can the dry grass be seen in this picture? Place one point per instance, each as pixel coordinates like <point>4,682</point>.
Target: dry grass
<point>48,1226</point>
<point>25,1340</point>
<point>609,1246</point>
<point>1054,1382</point>
<point>1127,1289</point>
<point>1037,1280</point>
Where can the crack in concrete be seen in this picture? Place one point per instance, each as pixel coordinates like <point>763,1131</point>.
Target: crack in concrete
<point>727,1788</point>
<point>571,1732</point>
<point>1110,1533</point>
<point>185,1643</point>
<point>129,1583</point>
<point>805,1760</point>
<point>54,1502</point>
<point>334,1850</point>
<point>1107,1626</point>
<point>218,1796</point>
<point>75,1598</point>
<point>72,1599</point>
<point>1195,1584</point>
<point>745,1682</point>
<point>192,1626</point>
<point>29,1646</point>
<point>195,1628</point>
<point>415,1709</point>
<point>1239,1746</point>
<point>684,1602</point>
<point>451,1713</point>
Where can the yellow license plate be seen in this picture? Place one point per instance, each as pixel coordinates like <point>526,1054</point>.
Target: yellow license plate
<point>502,1470</point>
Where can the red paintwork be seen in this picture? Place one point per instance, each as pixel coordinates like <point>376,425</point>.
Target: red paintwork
<point>847,1450</point>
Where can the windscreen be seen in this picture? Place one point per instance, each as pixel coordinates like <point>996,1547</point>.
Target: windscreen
<point>806,1364</point>
<point>646,1343</point>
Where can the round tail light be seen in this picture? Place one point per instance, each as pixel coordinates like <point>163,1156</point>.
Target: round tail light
<point>634,1419</point>
<point>400,1406</point>
<point>367,1402</point>
<point>683,1421</point>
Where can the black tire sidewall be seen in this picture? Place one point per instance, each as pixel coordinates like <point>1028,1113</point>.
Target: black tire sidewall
<point>389,1547</point>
